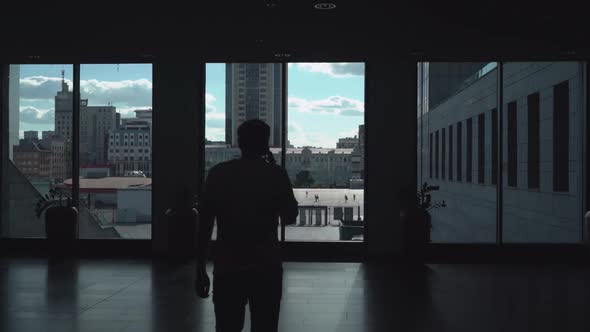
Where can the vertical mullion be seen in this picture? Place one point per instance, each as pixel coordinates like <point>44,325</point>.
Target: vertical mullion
<point>500,180</point>
<point>586,135</point>
<point>201,138</point>
<point>4,143</point>
<point>76,137</point>
<point>284,104</point>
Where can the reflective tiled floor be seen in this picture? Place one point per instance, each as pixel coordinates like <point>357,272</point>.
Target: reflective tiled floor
<point>124,295</point>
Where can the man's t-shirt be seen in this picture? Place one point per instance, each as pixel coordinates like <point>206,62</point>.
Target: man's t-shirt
<point>247,196</point>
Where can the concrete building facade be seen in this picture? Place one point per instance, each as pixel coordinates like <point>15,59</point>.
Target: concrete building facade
<point>542,155</point>
<point>31,160</point>
<point>253,91</point>
<point>95,123</point>
<point>130,145</point>
<point>347,143</point>
<point>328,167</point>
<point>31,135</point>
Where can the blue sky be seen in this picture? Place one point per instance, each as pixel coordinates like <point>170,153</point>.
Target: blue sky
<point>326,100</point>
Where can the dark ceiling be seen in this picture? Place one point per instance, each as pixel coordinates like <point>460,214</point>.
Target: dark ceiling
<point>260,28</point>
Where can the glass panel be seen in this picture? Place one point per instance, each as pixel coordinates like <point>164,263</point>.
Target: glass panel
<point>236,92</point>
<point>543,151</point>
<point>325,150</point>
<point>39,143</point>
<point>456,103</point>
<point>115,151</point>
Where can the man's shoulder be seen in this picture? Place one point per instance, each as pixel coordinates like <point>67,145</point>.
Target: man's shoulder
<point>236,164</point>
<point>223,165</point>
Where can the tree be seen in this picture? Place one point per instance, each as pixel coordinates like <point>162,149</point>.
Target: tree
<point>303,179</point>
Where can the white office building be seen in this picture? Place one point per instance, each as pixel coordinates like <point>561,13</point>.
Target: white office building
<point>542,150</point>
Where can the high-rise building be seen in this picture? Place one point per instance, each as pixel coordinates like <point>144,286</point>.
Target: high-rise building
<point>95,123</point>
<point>45,134</point>
<point>253,91</point>
<point>63,111</point>
<point>31,135</point>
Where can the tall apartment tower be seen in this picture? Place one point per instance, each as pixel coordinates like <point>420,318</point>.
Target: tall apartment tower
<point>63,111</point>
<point>95,123</point>
<point>31,134</point>
<point>253,91</point>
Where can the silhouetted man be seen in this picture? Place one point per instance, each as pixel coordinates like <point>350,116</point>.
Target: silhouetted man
<point>246,196</point>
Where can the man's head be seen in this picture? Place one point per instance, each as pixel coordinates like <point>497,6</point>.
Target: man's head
<point>253,136</point>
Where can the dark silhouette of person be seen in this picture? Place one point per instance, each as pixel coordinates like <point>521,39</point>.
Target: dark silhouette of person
<point>246,197</point>
<point>345,198</point>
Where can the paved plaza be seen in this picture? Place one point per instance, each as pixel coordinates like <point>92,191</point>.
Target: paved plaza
<point>328,198</point>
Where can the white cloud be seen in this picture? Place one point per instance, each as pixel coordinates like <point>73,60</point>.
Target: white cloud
<point>350,133</point>
<point>40,87</point>
<point>127,92</point>
<point>215,116</point>
<point>123,94</point>
<point>33,115</point>
<point>339,70</point>
<point>209,103</point>
<point>215,123</point>
<point>215,134</point>
<point>335,105</point>
<point>129,112</point>
<point>298,137</point>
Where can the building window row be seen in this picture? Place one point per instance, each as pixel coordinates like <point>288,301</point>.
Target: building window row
<point>560,145</point>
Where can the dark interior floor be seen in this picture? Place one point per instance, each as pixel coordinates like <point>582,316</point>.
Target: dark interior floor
<point>140,295</point>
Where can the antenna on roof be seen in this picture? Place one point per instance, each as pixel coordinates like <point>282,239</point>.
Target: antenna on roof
<point>63,75</point>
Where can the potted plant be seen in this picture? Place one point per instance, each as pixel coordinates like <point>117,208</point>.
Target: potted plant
<point>416,218</point>
<point>61,219</point>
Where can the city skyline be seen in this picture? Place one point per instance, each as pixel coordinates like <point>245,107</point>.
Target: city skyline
<point>319,93</point>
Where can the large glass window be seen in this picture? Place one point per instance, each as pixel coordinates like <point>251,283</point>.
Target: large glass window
<point>451,152</point>
<point>234,94</point>
<point>39,143</point>
<point>457,100</point>
<point>324,140</point>
<point>481,148</point>
<point>512,143</point>
<point>115,183</point>
<point>542,138</point>
<point>325,150</point>
<point>533,105</point>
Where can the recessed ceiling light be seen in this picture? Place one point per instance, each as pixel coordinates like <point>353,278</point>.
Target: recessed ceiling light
<point>324,5</point>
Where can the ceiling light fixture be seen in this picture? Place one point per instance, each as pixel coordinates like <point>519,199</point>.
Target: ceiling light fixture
<point>324,6</point>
